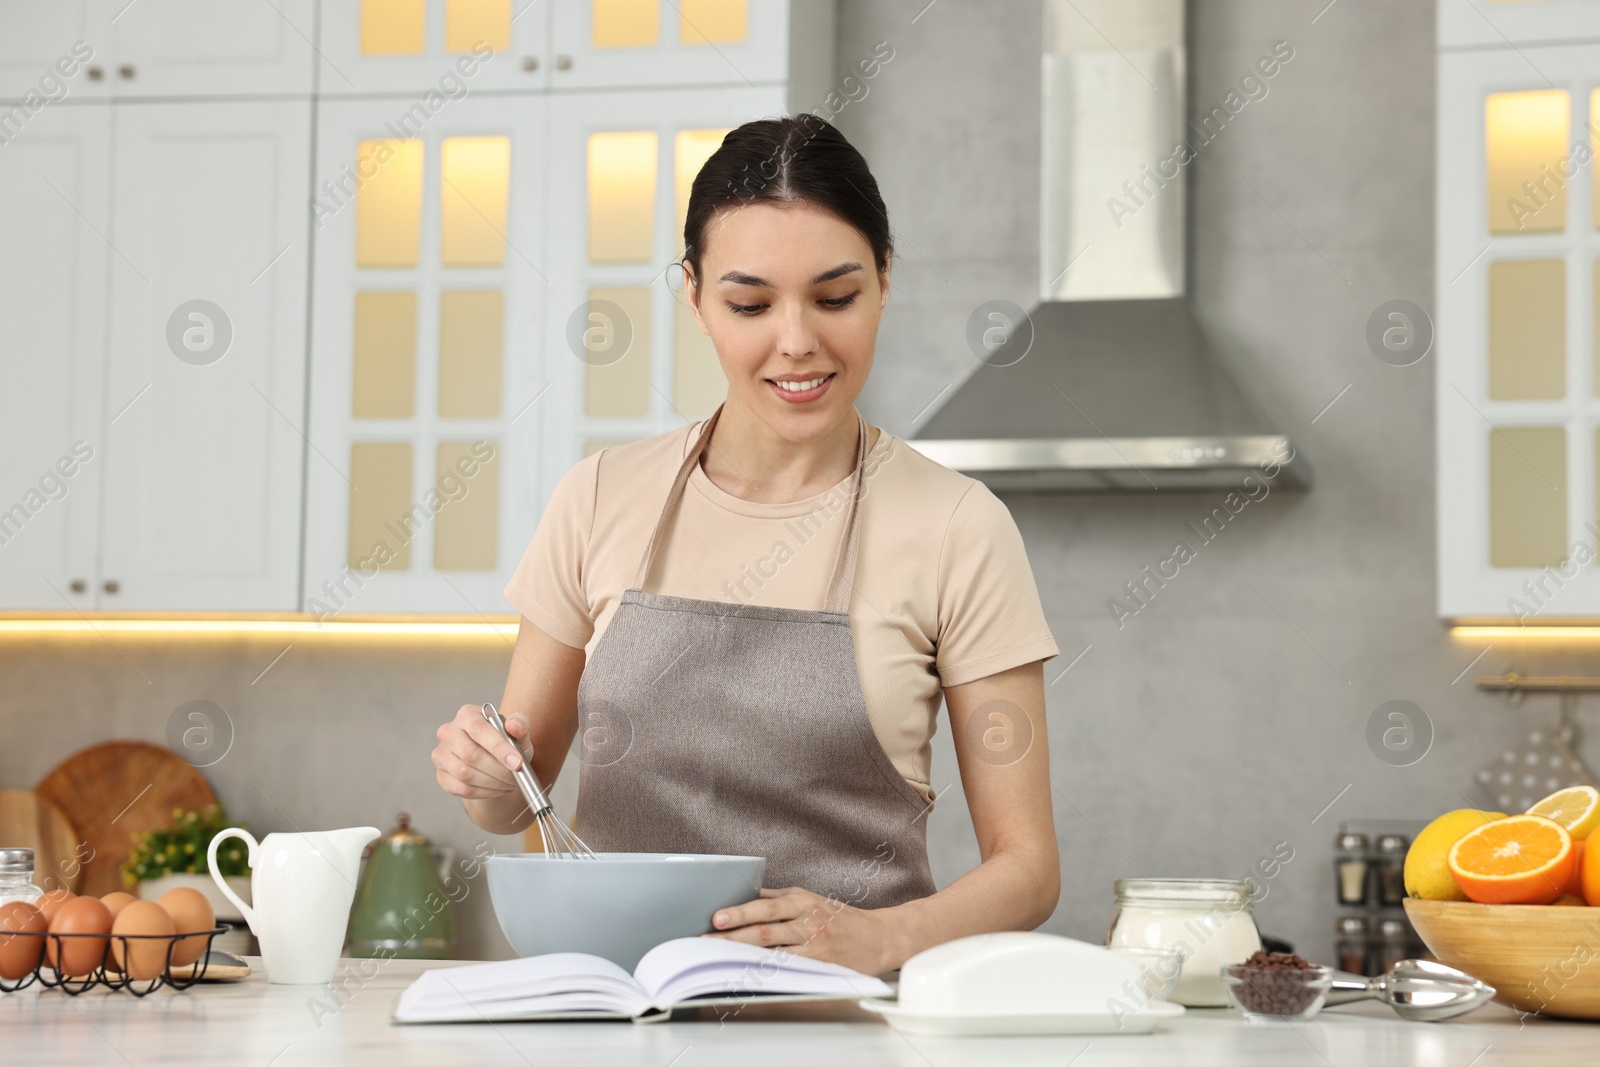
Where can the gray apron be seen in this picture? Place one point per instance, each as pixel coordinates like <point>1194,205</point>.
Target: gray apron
<point>737,729</point>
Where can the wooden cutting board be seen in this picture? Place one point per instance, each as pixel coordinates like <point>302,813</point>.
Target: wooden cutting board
<point>111,792</point>
<point>28,820</point>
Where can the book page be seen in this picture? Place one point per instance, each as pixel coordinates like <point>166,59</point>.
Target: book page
<point>552,982</point>
<point>687,967</point>
<point>555,1005</point>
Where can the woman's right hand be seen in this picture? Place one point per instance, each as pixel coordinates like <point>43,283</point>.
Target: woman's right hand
<point>472,761</point>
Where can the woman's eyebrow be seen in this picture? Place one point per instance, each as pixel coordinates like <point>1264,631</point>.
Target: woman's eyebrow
<point>739,277</point>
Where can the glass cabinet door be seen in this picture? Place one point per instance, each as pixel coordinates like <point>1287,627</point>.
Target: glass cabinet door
<point>620,339</point>
<point>441,51</point>
<point>425,399</point>
<point>1518,397</point>
<point>672,42</point>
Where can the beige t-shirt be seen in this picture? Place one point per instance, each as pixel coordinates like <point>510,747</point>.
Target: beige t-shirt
<point>943,592</point>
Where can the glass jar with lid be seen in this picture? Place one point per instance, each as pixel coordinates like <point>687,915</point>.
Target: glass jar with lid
<point>1350,864</point>
<point>1393,944</point>
<point>1209,921</point>
<point>1391,866</point>
<point>1352,944</point>
<point>16,876</point>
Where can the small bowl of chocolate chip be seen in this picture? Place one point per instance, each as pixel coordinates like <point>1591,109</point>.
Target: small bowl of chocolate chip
<point>1277,985</point>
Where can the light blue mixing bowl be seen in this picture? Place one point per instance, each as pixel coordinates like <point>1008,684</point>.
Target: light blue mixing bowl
<point>620,905</point>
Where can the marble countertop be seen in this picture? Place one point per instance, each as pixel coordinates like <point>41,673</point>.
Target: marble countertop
<point>254,1024</point>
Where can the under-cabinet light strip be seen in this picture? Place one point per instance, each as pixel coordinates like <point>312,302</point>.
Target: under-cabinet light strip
<point>1499,633</point>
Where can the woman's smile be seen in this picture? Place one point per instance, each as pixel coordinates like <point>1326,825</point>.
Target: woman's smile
<point>797,390</point>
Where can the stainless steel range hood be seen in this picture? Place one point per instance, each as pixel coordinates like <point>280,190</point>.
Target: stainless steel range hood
<point>1109,382</point>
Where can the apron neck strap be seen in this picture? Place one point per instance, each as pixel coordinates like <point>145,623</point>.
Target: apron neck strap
<point>842,578</point>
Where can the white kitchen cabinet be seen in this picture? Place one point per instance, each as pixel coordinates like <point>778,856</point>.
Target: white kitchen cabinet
<point>54,51</point>
<point>155,48</point>
<point>411,46</point>
<point>425,357</point>
<point>166,48</point>
<point>1518,413</point>
<point>1513,23</point>
<point>204,402</point>
<point>52,305</point>
<point>450,48</point>
<point>159,306</point>
<point>626,359</point>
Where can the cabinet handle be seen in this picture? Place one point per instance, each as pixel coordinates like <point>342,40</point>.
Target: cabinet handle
<point>78,585</point>
<point>530,63</point>
<point>563,62</point>
<point>111,586</point>
<point>96,73</point>
<point>126,70</point>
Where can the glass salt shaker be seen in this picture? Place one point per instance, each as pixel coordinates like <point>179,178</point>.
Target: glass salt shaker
<point>16,876</point>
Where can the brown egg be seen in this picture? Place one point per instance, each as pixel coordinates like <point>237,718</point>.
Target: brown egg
<point>48,905</point>
<point>79,955</point>
<point>117,901</point>
<point>51,902</point>
<point>20,955</point>
<point>148,931</point>
<point>191,914</point>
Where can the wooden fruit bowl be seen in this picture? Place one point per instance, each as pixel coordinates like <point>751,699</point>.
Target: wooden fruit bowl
<point>1540,959</point>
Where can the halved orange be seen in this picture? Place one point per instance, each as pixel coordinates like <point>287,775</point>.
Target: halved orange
<point>1521,859</point>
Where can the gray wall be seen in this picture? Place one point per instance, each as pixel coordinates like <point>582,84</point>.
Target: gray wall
<point>1226,716</point>
<point>1220,720</point>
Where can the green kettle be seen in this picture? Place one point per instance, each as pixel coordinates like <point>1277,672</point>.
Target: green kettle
<point>401,910</point>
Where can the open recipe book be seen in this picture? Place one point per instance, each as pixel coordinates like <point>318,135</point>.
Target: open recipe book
<point>686,972</point>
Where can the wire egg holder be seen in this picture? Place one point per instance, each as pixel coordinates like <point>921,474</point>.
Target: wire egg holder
<point>106,973</point>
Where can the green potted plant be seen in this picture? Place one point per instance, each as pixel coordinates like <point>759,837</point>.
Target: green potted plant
<point>163,860</point>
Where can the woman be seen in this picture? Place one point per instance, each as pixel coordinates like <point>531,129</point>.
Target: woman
<point>753,616</point>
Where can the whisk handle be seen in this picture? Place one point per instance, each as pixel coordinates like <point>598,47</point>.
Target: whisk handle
<point>538,803</point>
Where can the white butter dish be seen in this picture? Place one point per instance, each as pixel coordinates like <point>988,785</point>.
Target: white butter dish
<point>1019,982</point>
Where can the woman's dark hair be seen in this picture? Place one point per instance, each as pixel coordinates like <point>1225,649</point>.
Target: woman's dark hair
<point>794,158</point>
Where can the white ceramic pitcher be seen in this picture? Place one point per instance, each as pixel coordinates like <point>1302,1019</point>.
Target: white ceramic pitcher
<point>302,885</point>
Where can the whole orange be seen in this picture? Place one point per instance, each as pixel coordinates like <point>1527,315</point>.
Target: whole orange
<point>1574,886</point>
<point>1591,876</point>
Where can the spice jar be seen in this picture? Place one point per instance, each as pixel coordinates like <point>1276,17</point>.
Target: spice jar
<point>1394,944</point>
<point>1208,921</point>
<point>1391,867</point>
<point>1350,868</point>
<point>1351,946</point>
<point>16,876</point>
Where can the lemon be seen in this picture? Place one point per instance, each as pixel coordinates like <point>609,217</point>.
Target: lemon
<point>1427,869</point>
<point>1576,807</point>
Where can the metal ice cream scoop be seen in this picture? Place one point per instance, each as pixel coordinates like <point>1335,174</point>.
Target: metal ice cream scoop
<point>1416,989</point>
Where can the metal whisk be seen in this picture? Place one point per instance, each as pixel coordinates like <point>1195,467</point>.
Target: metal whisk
<point>559,841</point>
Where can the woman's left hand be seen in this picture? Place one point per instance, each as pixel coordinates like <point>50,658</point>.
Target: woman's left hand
<point>810,924</point>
